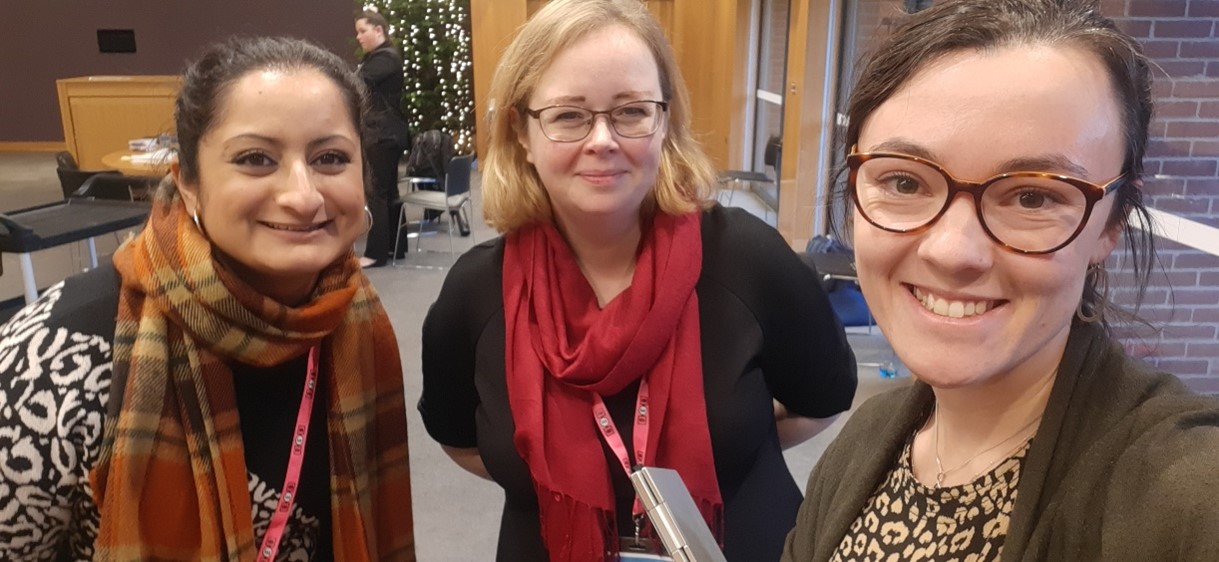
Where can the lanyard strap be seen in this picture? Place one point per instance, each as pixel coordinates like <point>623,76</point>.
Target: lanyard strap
<point>287,496</point>
<point>609,431</point>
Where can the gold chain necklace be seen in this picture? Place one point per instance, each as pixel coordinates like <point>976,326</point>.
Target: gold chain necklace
<point>941,473</point>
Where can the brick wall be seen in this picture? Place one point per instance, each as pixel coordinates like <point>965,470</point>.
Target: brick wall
<point>1182,177</point>
<point>1182,166</point>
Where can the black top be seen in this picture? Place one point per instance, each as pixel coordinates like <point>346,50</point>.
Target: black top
<point>381,70</point>
<point>767,331</point>
<point>55,358</point>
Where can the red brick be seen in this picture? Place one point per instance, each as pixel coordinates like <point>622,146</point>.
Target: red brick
<point>1161,49</point>
<point>1143,348</point>
<point>1164,29</point>
<point>1197,349</point>
<point>1156,8</point>
<point>1168,148</point>
<point>1178,332</point>
<point>1182,205</point>
<point>1212,69</point>
<point>1203,8</point>
<point>1208,109</point>
<point>1162,314</point>
<point>1154,186</point>
<point>1195,259</point>
<point>1202,186</point>
<point>1178,279</point>
<point>1176,108</point>
<point>1208,279</point>
<point>1182,68</point>
<point>1205,315</point>
<point>1135,28</point>
<point>1207,49</point>
<point>1113,8</point>
<point>1191,167</point>
<point>1203,385</point>
<point>1197,88</point>
<point>1208,297</point>
<point>1188,369</point>
<point>1192,129</point>
<point>1204,148</point>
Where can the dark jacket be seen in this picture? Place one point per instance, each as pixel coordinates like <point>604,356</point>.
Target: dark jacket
<point>1125,466</point>
<point>381,70</point>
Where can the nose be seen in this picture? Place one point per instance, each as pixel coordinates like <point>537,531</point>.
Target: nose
<point>299,195</point>
<point>601,137</point>
<point>956,242</point>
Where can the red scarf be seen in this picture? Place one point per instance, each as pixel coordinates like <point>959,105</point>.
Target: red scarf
<point>561,348</point>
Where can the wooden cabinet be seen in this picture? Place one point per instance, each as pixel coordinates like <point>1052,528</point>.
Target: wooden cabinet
<point>101,113</point>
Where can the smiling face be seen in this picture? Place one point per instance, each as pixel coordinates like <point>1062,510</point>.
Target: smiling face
<point>604,177</point>
<point>369,36</point>
<point>959,309</point>
<point>280,191</point>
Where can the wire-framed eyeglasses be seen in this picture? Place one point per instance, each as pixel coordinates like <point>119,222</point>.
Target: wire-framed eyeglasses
<point>1026,212</point>
<point>569,123</point>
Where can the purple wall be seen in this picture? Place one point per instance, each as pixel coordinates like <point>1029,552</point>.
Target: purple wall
<point>44,40</point>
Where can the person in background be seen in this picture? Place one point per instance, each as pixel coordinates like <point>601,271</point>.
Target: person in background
<point>229,388</point>
<point>381,70</point>
<point>622,310</point>
<point>995,161</point>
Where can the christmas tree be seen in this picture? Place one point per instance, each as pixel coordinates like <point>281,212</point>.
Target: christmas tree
<point>434,37</point>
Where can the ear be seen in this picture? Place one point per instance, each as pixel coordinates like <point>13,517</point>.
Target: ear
<point>521,126</point>
<point>189,192</point>
<point>1106,244</point>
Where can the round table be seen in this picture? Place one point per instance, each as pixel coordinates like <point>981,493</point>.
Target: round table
<point>121,160</point>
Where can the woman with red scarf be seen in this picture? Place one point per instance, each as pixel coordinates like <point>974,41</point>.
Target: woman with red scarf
<point>623,319</point>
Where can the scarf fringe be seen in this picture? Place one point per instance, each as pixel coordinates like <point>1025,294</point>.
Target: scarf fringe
<point>575,531</point>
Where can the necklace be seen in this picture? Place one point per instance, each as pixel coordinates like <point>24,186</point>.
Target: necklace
<point>941,473</point>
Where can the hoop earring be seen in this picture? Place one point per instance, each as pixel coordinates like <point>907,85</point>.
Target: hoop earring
<point>195,215</point>
<point>1097,282</point>
<point>368,214</point>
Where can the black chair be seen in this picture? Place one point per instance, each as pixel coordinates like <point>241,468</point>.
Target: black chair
<point>71,177</point>
<point>771,157</point>
<point>455,200</point>
<point>427,163</point>
<point>116,187</point>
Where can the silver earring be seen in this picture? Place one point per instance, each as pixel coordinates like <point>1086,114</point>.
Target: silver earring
<point>367,213</point>
<point>195,215</point>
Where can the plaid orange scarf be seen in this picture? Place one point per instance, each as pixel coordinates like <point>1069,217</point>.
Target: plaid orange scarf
<point>171,483</point>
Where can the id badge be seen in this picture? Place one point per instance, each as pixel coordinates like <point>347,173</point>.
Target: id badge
<point>641,550</point>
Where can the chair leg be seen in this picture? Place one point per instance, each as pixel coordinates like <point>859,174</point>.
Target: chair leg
<point>452,219</point>
<point>397,235</point>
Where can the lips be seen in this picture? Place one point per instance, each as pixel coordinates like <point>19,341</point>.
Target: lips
<point>296,227</point>
<point>952,308</point>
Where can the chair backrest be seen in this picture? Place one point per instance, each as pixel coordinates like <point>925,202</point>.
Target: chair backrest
<point>774,153</point>
<point>112,185</point>
<point>64,159</point>
<point>70,179</point>
<point>457,181</point>
<point>430,154</point>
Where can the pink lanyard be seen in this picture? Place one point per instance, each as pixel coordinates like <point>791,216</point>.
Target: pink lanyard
<point>287,497</point>
<point>612,438</point>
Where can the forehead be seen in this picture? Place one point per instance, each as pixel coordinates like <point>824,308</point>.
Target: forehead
<point>602,63</point>
<point>972,108</point>
<point>302,99</point>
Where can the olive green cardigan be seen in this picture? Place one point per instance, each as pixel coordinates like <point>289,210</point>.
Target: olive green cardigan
<point>1125,466</point>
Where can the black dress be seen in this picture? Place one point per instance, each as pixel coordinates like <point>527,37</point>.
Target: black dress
<point>381,70</point>
<point>767,331</point>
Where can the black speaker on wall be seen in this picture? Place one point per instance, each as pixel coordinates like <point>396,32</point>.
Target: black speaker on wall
<point>116,40</point>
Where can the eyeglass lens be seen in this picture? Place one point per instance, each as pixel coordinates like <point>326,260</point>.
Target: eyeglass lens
<point>1029,213</point>
<point>567,123</point>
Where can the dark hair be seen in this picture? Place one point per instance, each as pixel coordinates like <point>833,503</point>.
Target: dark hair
<point>953,26</point>
<point>208,80</point>
<point>376,20</point>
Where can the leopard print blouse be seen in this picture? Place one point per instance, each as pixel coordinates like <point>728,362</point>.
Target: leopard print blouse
<point>907,521</point>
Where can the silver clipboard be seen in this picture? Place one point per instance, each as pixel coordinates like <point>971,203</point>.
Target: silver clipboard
<point>673,514</point>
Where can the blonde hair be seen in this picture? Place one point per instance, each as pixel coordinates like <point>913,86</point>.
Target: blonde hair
<point>513,195</point>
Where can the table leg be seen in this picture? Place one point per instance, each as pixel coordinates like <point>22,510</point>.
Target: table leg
<point>27,278</point>
<point>92,254</point>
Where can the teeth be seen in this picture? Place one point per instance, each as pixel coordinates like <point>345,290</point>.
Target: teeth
<point>951,309</point>
<point>292,228</point>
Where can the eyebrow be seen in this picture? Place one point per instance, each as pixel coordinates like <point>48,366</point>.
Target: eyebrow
<point>627,95</point>
<point>1049,162</point>
<point>276,142</point>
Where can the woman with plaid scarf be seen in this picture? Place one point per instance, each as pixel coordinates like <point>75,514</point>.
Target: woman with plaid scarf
<point>246,402</point>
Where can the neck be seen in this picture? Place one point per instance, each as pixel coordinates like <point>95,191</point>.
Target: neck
<point>606,251</point>
<point>291,290</point>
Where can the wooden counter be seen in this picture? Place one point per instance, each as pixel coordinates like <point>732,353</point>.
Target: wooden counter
<point>101,113</point>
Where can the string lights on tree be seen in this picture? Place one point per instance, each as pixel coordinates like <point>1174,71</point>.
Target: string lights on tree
<point>434,37</point>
